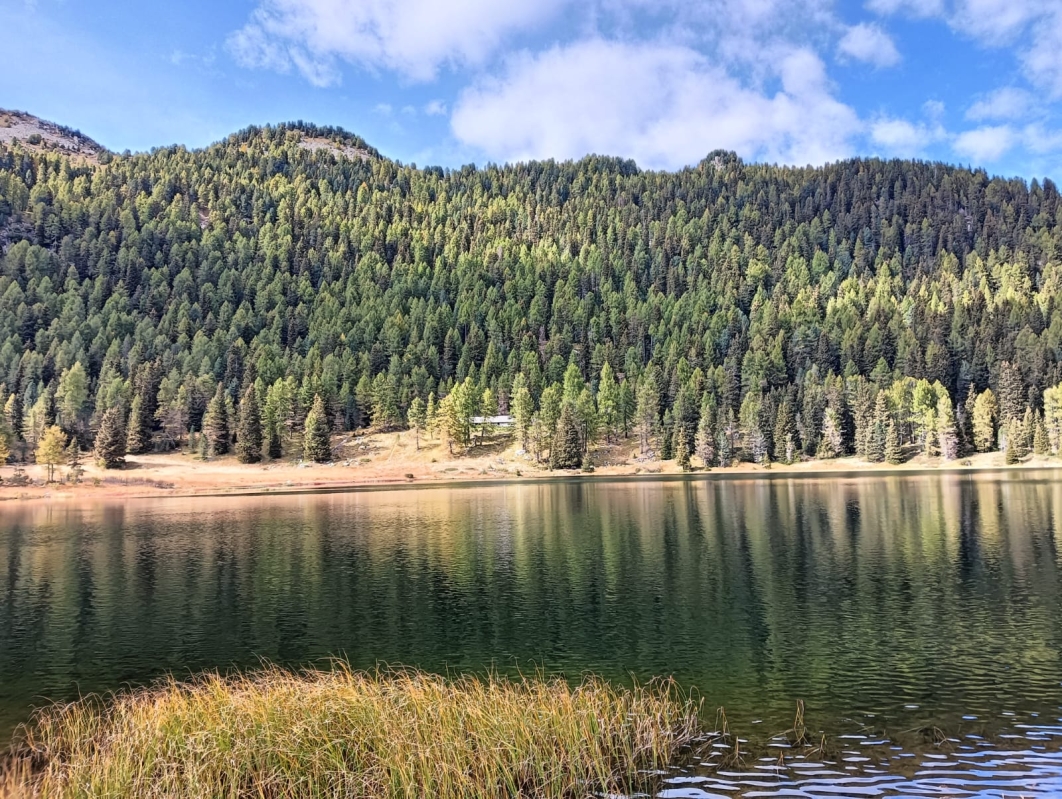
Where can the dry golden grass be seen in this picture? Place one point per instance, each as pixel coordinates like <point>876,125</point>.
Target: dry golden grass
<point>340,733</point>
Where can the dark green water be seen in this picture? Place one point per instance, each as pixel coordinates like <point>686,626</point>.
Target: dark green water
<point>886,604</point>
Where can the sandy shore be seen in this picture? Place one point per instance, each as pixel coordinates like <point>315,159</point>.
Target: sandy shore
<point>391,459</point>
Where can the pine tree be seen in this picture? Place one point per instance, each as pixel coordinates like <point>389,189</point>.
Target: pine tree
<point>249,429</point>
<point>137,436</point>
<point>73,461</point>
<point>784,428</point>
<point>51,449</point>
<point>566,451</point>
<point>416,418</point>
<point>626,407</point>
<point>608,400</point>
<point>1012,444</point>
<point>431,416</point>
<point>984,421</point>
<point>216,424</point>
<point>317,440</point>
<point>947,435</point>
<point>1041,444</point>
<point>704,443</point>
<point>830,444</point>
<point>1011,392</point>
<point>5,445</point>
<point>667,437</point>
<point>875,448</point>
<point>648,411</point>
<point>523,409</point>
<point>727,435</point>
<point>964,421</point>
<point>893,454</point>
<point>682,452</point>
<point>109,449</point>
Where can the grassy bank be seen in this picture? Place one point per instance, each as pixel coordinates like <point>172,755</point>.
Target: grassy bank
<point>340,733</point>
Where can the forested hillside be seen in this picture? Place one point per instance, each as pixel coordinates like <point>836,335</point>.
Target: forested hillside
<point>724,311</point>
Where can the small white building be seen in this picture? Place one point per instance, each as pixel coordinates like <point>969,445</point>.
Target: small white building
<point>493,421</point>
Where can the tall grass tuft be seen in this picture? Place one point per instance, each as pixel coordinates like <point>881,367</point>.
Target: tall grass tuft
<point>341,733</point>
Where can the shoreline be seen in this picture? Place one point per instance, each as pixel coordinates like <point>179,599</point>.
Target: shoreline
<point>180,475</point>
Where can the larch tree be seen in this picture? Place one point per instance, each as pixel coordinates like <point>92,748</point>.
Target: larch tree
<point>416,418</point>
<point>51,450</point>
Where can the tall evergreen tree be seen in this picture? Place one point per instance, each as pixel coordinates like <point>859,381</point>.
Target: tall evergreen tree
<point>984,421</point>
<point>947,434</point>
<point>566,451</point>
<point>216,424</point>
<point>249,429</point>
<point>1011,393</point>
<point>109,450</point>
<point>317,438</point>
<point>893,452</point>
<point>138,438</point>
<point>784,430</point>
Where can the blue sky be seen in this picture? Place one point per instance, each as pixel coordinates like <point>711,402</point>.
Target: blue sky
<point>469,81</point>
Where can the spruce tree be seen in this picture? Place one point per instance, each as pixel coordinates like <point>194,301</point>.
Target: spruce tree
<point>73,461</point>
<point>784,428</point>
<point>893,454</point>
<point>109,450</point>
<point>137,437</point>
<point>317,442</point>
<point>1041,444</point>
<point>964,421</point>
<point>249,430</point>
<point>566,451</point>
<point>879,426</point>
<point>947,435</point>
<point>704,443</point>
<point>216,424</point>
<point>1011,393</point>
<point>1013,453</point>
<point>682,453</point>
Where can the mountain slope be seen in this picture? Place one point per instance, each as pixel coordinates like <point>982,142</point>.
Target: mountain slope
<point>765,308</point>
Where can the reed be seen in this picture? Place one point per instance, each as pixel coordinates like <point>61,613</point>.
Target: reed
<point>340,733</point>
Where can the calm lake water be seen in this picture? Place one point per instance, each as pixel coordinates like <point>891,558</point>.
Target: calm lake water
<point>901,610</point>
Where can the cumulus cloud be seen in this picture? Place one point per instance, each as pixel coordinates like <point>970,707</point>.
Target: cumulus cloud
<point>869,43</point>
<point>986,144</point>
<point>664,105</point>
<point>902,138</point>
<point>411,37</point>
<point>1006,104</point>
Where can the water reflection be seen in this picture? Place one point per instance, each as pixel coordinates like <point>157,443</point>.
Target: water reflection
<point>860,596</point>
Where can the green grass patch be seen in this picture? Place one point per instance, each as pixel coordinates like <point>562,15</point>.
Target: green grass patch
<point>340,733</point>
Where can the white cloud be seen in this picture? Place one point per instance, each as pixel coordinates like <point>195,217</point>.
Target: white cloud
<point>915,8</point>
<point>869,43</point>
<point>901,138</point>
<point>412,37</point>
<point>665,105</point>
<point>1032,27</point>
<point>1003,104</point>
<point>985,144</point>
<point>435,108</point>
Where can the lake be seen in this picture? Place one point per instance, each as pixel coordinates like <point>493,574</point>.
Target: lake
<point>903,611</point>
